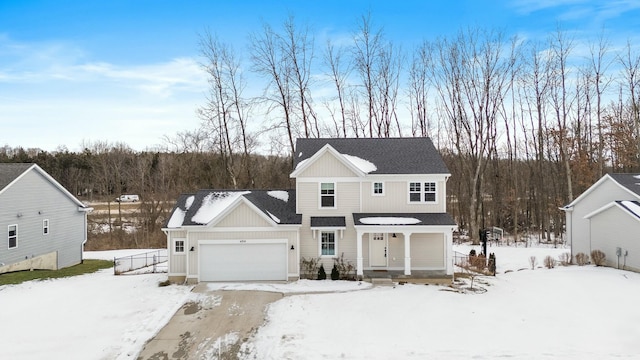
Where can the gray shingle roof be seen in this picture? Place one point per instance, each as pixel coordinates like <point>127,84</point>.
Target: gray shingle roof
<point>10,171</point>
<point>630,181</point>
<point>425,218</point>
<point>285,212</point>
<point>328,221</point>
<point>631,211</point>
<point>389,155</point>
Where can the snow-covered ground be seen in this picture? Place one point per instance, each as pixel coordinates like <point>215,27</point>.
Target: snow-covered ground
<point>93,316</point>
<point>562,313</point>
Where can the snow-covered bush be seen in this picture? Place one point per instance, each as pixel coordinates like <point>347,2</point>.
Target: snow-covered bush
<point>549,262</point>
<point>565,259</point>
<point>582,259</point>
<point>344,267</point>
<point>532,262</point>
<point>309,267</point>
<point>598,257</point>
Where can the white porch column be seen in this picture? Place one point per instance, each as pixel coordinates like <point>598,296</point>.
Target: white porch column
<point>448,245</point>
<point>359,270</point>
<point>407,253</point>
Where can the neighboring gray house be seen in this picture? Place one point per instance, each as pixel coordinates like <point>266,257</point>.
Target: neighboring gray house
<point>379,202</point>
<point>42,225</point>
<point>606,217</point>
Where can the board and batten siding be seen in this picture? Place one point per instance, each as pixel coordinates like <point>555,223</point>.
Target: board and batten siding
<point>327,163</point>
<point>348,202</point>
<point>35,199</point>
<point>600,196</point>
<point>396,197</point>
<point>613,228</point>
<point>177,262</point>
<point>243,216</point>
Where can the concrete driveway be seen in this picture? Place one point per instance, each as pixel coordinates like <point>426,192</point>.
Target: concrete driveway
<point>216,325</point>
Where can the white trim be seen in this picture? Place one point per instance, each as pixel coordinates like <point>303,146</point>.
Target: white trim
<point>243,241</point>
<point>47,227</point>
<point>335,196</point>
<point>328,179</point>
<point>184,247</point>
<point>17,236</point>
<point>335,244</point>
<point>422,192</point>
<point>609,205</point>
<point>47,177</point>
<point>326,148</point>
<point>594,186</point>
<point>385,238</point>
<point>203,228</point>
<point>373,188</point>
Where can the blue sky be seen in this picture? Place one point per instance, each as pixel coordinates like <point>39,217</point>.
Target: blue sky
<point>127,71</point>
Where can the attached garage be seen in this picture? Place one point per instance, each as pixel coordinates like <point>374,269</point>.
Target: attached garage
<point>243,260</point>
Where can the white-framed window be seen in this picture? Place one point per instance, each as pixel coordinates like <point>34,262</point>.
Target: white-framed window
<point>328,195</point>
<point>178,246</point>
<point>13,236</point>
<point>328,245</point>
<point>422,192</point>
<point>45,227</point>
<point>378,188</point>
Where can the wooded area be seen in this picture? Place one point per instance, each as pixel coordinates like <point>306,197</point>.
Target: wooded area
<point>523,126</point>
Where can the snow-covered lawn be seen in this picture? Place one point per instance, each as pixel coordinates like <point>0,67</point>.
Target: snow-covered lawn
<point>94,316</point>
<point>562,313</point>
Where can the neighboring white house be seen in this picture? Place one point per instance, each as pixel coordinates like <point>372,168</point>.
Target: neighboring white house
<point>380,203</point>
<point>606,217</point>
<point>42,225</point>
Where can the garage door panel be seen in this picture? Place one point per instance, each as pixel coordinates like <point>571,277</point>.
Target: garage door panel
<point>243,262</point>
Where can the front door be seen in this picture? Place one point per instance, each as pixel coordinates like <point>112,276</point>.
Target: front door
<point>378,249</point>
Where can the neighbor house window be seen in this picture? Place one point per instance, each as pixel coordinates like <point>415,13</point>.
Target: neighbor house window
<point>45,227</point>
<point>422,192</point>
<point>179,246</point>
<point>13,236</point>
<point>328,243</point>
<point>378,188</point>
<point>328,195</point>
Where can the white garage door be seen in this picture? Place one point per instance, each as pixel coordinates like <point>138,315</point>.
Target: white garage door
<point>243,261</point>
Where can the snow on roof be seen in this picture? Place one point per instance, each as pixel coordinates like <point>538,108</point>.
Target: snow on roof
<point>214,204</point>
<point>364,165</point>
<point>301,163</point>
<point>389,221</point>
<point>636,176</point>
<point>632,206</point>
<point>189,202</point>
<point>177,219</point>
<point>273,217</point>
<point>279,194</point>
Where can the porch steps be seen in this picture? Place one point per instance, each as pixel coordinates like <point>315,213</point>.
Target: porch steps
<point>382,282</point>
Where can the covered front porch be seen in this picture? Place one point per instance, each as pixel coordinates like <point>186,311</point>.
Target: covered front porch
<point>416,277</point>
<point>404,246</point>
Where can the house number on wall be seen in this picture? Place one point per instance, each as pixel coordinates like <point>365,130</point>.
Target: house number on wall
<point>243,241</point>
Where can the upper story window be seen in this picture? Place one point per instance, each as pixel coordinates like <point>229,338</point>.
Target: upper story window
<point>45,227</point>
<point>422,192</point>
<point>378,188</point>
<point>13,236</point>
<point>327,195</point>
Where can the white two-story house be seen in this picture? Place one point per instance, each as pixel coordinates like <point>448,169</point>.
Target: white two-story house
<point>378,203</point>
